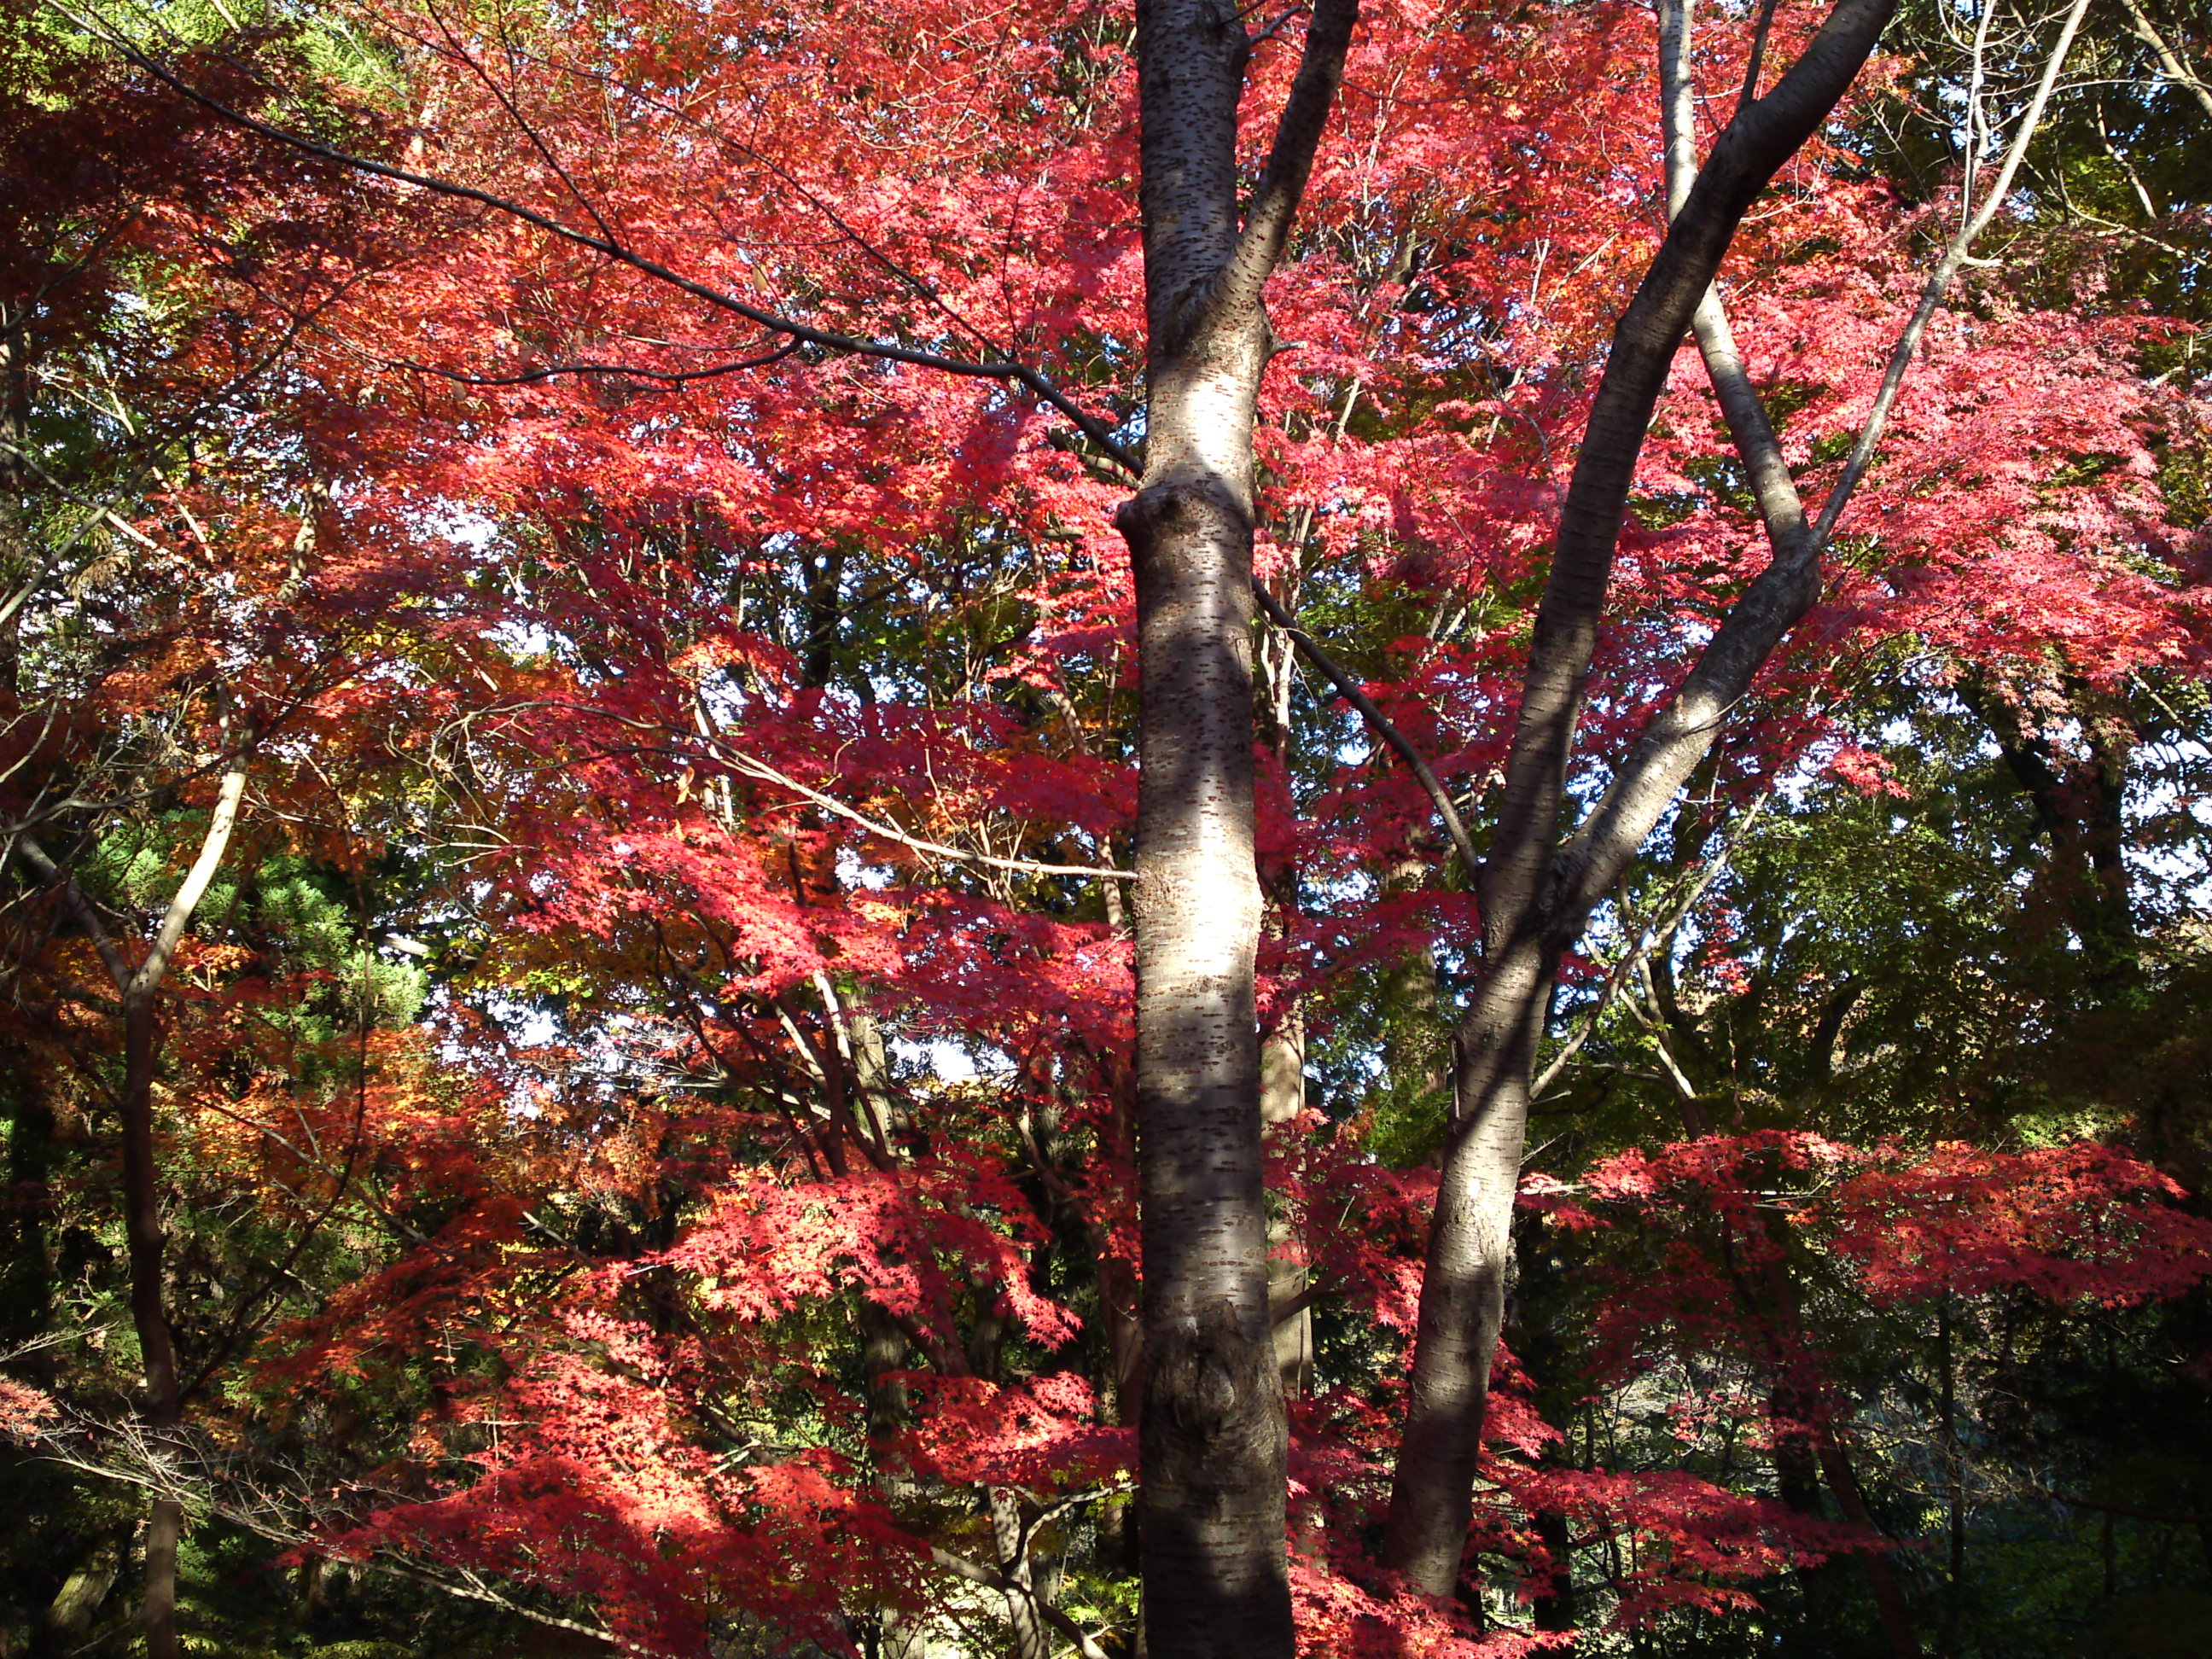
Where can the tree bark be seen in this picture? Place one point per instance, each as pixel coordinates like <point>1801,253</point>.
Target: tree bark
<point>1282,1097</point>
<point>69,1617</point>
<point>141,1221</point>
<point>1211,1436</point>
<point>1025,1623</point>
<point>142,1199</point>
<point>1536,896</point>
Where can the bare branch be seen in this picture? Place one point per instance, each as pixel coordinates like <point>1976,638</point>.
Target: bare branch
<point>2169,59</point>
<point>620,371</point>
<point>762,772</point>
<point>80,906</point>
<point>159,1469</point>
<point>1378,722</point>
<point>1659,926</point>
<point>1939,282</point>
<point>759,770</point>
<point>1006,1584</point>
<point>213,845</point>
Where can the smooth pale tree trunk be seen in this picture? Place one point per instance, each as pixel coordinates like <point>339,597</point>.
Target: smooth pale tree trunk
<point>1537,893</point>
<point>1211,1495</point>
<point>1282,1097</point>
<point>141,986</point>
<point>1024,1625</point>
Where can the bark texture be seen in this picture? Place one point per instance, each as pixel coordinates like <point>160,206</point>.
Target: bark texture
<point>1212,1438</point>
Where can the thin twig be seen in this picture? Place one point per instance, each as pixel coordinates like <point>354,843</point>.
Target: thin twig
<point>1939,282</point>
<point>760,771</point>
<point>621,371</point>
<point>1648,936</point>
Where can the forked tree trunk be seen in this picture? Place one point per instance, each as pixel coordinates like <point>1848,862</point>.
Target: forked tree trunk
<point>1537,893</point>
<point>1212,1440</point>
<point>140,986</point>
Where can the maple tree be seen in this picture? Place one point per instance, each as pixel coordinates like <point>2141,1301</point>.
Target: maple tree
<point>676,580</point>
<point>139,668</point>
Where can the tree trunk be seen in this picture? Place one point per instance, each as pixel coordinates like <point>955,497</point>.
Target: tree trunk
<point>1212,1501</point>
<point>1542,1274</point>
<point>69,1617</point>
<point>1553,1607</point>
<point>898,1634</point>
<point>1212,1442</point>
<point>1470,1252</point>
<point>142,1198</point>
<point>1537,893</point>
<point>1282,1097</point>
<point>1030,1639</point>
<point>141,1221</point>
<point>26,1269</point>
<point>2078,800</point>
<point>17,560</point>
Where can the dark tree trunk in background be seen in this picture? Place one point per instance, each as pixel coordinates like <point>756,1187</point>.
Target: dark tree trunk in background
<point>141,1221</point>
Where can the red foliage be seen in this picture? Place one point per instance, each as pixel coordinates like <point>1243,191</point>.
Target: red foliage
<point>600,607</point>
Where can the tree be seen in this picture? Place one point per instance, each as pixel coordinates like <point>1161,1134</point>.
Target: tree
<point>1537,896</point>
<point>753,752</point>
<point>1212,1494</point>
<point>1212,1514</point>
<point>155,596</point>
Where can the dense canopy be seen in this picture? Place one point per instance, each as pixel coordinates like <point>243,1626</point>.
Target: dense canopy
<point>1336,828</point>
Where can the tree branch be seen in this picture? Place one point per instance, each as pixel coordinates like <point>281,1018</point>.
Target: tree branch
<point>213,845</point>
<point>155,1470</point>
<point>621,371</point>
<point>1757,140</point>
<point>1939,281</point>
<point>1684,728</point>
<point>1274,203</point>
<point>111,954</point>
<point>2169,59</point>
<point>762,772</point>
<point>1006,1584</point>
<point>1378,722</point>
<point>608,246</point>
<point>1648,937</point>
